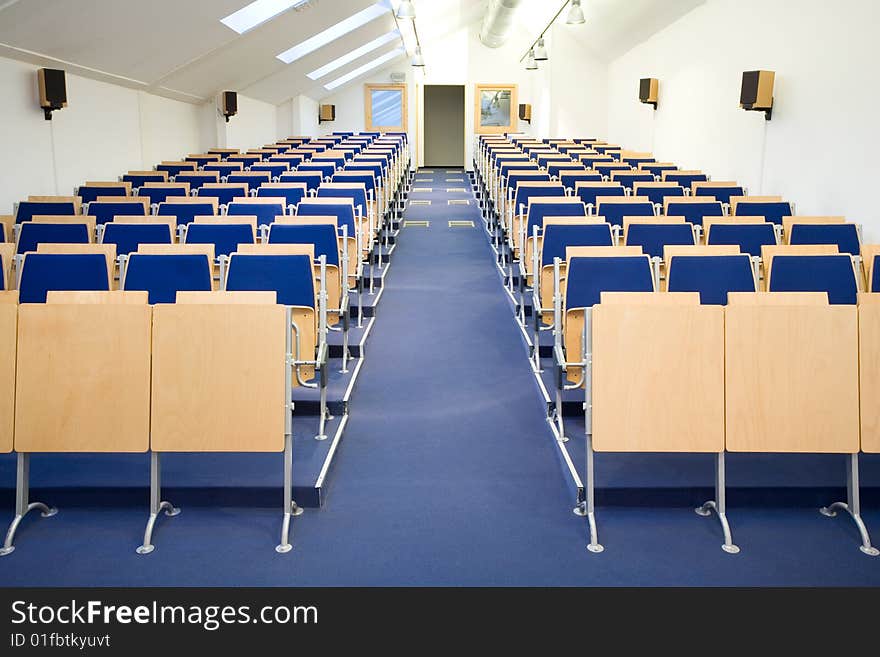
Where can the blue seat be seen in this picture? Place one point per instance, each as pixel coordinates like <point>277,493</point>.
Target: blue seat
<point>376,169</point>
<point>159,194</point>
<point>222,169</point>
<point>636,161</point>
<point>605,168</point>
<point>684,179</point>
<point>615,212</point>
<point>537,211</point>
<point>195,180</point>
<point>264,212</point>
<point>224,195</point>
<point>658,194</point>
<point>657,169</point>
<point>558,237</point>
<point>127,237</point>
<point>516,178</point>
<point>589,194</point>
<point>544,160</point>
<point>368,180</point>
<point>224,237</point>
<point>628,179</point>
<point>748,237</point>
<point>326,169</point>
<point>833,274</point>
<point>322,236</point>
<point>163,276</point>
<point>712,276</point>
<point>553,168</point>
<point>291,195</point>
<point>291,277</point>
<point>274,170</point>
<point>30,234</point>
<point>292,160</point>
<point>875,275</point>
<point>43,272</point>
<point>253,182</point>
<point>589,277</point>
<point>722,194</point>
<point>173,169</point>
<point>104,211</point>
<point>244,160</point>
<point>185,212</point>
<point>359,196</point>
<point>337,162</point>
<point>343,212</point>
<point>570,180</point>
<point>199,160</point>
<point>654,237</point>
<point>524,193</point>
<point>312,179</point>
<point>27,210</point>
<point>693,212</point>
<point>845,236</point>
<point>138,179</point>
<point>88,193</point>
<point>771,211</point>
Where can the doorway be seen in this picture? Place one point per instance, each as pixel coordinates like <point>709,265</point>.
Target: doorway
<point>444,125</point>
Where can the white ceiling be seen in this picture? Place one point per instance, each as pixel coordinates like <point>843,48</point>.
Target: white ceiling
<point>179,48</point>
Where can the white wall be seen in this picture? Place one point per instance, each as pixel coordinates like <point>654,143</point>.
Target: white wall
<point>253,126</point>
<point>104,131</point>
<point>818,151</point>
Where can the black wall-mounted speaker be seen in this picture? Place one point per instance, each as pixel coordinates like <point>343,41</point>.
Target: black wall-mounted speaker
<point>756,91</point>
<point>326,113</point>
<point>53,90</point>
<point>525,112</point>
<point>648,88</point>
<point>230,104</point>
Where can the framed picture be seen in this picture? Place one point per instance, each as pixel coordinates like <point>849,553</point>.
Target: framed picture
<point>495,108</point>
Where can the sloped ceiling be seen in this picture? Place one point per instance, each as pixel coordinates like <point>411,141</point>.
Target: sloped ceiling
<point>179,48</point>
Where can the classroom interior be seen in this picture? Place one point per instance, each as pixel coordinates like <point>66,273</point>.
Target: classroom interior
<point>439,293</point>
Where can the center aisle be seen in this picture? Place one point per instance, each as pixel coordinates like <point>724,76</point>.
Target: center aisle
<point>446,475</point>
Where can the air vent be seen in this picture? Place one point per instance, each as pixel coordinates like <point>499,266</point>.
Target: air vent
<point>461,224</point>
<point>419,202</point>
<point>458,201</point>
<point>427,190</point>
<point>416,224</point>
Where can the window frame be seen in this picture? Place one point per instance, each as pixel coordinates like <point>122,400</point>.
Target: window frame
<point>368,107</point>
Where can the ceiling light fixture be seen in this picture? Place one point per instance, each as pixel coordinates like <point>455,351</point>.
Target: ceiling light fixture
<point>531,64</point>
<point>406,10</point>
<point>417,59</point>
<point>540,51</point>
<point>575,14</point>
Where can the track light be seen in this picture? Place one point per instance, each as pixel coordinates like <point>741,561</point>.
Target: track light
<point>531,64</point>
<point>540,51</point>
<point>417,58</point>
<point>575,14</point>
<point>406,10</point>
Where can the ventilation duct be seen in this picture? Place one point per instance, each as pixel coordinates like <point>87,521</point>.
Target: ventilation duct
<point>498,21</point>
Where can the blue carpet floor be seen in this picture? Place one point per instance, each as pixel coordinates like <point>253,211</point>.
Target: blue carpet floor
<point>447,475</point>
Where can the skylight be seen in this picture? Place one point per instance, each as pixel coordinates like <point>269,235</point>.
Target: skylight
<point>334,32</point>
<point>369,66</point>
<point>354,54</point>
<point>257,12</point>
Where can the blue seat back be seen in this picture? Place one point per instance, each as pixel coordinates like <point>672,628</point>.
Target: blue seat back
<point>173,169</point>
<point>326,169</point>
<point>273,170</point>
<point>845,236</point>
<point>163,276</point>
<point>159,194</point>
<point>748,237</point>
<point>104,211</point>
<point>515,179</point>
<point>875,275</point>
<point>292,160</point>
<point>127,237</point>
<point>222,169</point>
<point>376,169</point>
<point>224,237</point>
<point>322,236</point>
<point>537,211</point>
<point>589,194</point>
<point>658,169</point>
<point>87,193</point>
<point>693,212</point>
<point>712,276</point>
<point>588,277</point>
<point>359,196</point>
<point>636,161</point>
<point>553,168</point>
<point>291,277</point>
<point>525,192</point>
<point>200,161</point>
<point>312,179</point>
<point>558,237</point>
<point>833,274</point>
<point>343,212</point>
<point>615,212</point>
<point>291,195</point>
<point>569,180</point>
<point>253,182</point>
<point>224,195</point>
<point>605,168</point>
<point>185,212</point>
<point>686,179</point>
<point>658,194</point>
<point>771,211</point>
<point>195,181</point>
<point>337,162</point>
<point>138,179</point>
<point>27,210</point>
<point>630,179</point>
<point>43,272</point>
<point>368,179</point>
<point>653,237</point>
<point>30,234</point>
<point>264,212</point>
<point>722,194</point>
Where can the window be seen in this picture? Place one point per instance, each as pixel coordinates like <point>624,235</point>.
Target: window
<point>385,107</point>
